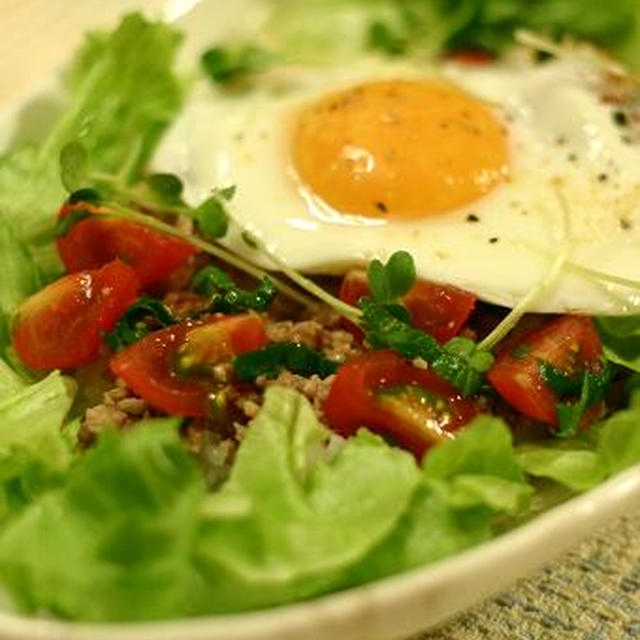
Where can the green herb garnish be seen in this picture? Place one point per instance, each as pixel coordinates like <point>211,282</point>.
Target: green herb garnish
<point>166,186</point>
<point>226,297</point>
<point>459,361</point>
<point>212,217</point>
<point>389,282</point>
<point>230,65</point>
<point>65,224</point>
<point>277,356</point>
<point>381,37</point>
<point>588,387</point>
<point>74,166</point>
<point>141,318</point>
<point>88,195</point>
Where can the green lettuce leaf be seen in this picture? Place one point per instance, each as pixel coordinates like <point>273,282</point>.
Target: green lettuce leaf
<point>35,452</point>
<point>468,483</point>
<point>114,542</point>
<point>134,527</point>
<point>578,465</point>
<point>20,277</point>
<point>289,522</point>
<point>131,521</point>
<point>618,445</point>
<point>121,97</point>
<point>10,381</point>
<point>421,27</point>
<point>621,339</point>
<point>578,469</point>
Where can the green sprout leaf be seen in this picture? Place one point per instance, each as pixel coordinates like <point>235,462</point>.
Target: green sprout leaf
<point>589,388</point>
<point>74,166</point>
<point>389,282</point>
<point>401,273</point>
<point>249,239</point>
<point>227,193</point>
<point>382,38</point>
<point>91,196</point>
<point>459,361</point>
<point>378,284</point>
<point>226,65</point>
<point>212,217</point>
<point>167,187</point>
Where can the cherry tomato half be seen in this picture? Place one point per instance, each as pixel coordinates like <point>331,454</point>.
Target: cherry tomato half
<point>94,241</point>
<point>411,406</point>
<point>61,326</point>
<point>150,367</point>
<point>471,57</point>
<point>569,343</point>
<point>436,309</point>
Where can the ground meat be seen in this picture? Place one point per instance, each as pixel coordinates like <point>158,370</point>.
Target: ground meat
<point>336,343</point>
<point>183,304</point>
<point>249,404</point>
<point>215,440</point>
<point>214,452</point>
<point>316,389</point>
<point>119,408</point>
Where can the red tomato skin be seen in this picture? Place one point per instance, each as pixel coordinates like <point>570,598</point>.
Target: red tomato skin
<point>148,366</point>
<point>94,241</point>
<point>570,343</point>
<point>471,57</point>
<point>352,401</point>
<point>438,310</point>
<point>61,326</point>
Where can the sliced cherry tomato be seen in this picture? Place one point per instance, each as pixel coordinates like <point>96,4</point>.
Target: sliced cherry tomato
<point>438,310</point>
<point>61,326</point>
<point>569,343</point>
<point>150,367</point>
<point>411,406</point>
<point>471,57</point>
<point>94,241</point>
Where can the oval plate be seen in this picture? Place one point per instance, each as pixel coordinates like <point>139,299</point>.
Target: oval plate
<point>36,38</point>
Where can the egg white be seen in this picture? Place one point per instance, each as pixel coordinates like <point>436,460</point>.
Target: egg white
<point>562,140</point>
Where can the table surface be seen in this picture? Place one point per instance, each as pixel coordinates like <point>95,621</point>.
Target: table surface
<point>591,593</point>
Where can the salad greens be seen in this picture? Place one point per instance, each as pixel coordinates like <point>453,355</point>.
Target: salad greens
<point>300,32</point>
<point>459,361</point>
<point>122,94</point>
<point>303,512</point>
<point>226,297</point>
<point>295,519</point>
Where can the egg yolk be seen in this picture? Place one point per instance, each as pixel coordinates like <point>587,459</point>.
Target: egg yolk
<point>399,148</point>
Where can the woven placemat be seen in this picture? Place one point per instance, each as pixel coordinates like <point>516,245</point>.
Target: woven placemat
<point>592,593</point>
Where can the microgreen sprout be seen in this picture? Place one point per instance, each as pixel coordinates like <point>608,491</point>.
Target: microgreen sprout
<point>74,166</point>
<point>543,286</point>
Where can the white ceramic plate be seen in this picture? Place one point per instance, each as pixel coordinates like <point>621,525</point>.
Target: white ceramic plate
<point>36,37</point>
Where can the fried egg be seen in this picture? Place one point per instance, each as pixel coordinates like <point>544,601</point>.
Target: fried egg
<point>484,174</point>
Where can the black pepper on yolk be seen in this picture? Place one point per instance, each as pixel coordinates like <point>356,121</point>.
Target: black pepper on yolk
<point>405,148</point>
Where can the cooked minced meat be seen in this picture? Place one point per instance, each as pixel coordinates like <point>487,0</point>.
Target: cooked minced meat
<point>336,343</point>
<point>316,389</point>
<point>321,329</point>
<point>119,408</point>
